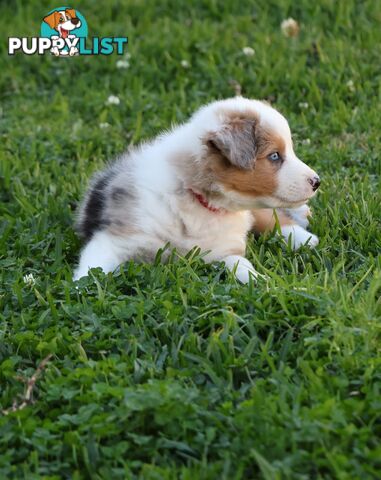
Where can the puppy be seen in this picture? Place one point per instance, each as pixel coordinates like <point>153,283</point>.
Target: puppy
<point>201,183</point>
<point>64,21</point>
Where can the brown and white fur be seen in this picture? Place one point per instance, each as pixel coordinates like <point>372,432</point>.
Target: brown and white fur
<point>202,183</point>
<point>64,22</point>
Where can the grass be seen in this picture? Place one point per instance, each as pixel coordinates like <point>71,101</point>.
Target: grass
<point>176,370</point>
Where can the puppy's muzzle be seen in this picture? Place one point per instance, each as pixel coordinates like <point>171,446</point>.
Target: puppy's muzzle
<point>75,21</point>
<point>314,182</point>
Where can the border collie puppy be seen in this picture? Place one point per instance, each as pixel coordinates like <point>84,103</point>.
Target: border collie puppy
<point>205,183</point>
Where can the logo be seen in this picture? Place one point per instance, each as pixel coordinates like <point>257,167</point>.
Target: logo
<point>64,27</point>
<point>64,33</point>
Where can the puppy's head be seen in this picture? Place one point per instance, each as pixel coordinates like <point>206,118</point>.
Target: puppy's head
<point>249,154</point>
<point>63,21</point>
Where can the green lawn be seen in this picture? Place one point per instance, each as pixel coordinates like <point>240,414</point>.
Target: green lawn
<point>177,371</point>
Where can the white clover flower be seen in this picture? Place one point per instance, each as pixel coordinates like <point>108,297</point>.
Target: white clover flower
<point>248,51</point>
<point>184,64</point>
<point>350,85</point>
<point>104,125</point>
<point>29,279</point>
<point>303,105</point>
<point>306,141</point>
<point>122,64</point>
<point>113,100</point>
<point>290,27</point>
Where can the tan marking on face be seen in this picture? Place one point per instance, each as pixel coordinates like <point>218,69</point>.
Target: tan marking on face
<point>261,180</point>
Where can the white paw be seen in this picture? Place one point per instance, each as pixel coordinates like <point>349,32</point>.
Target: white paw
<point>299,236</point>
<point>244,273</point>
<point>241,267</point>
<point>79,273</point>
<point>300,214</point>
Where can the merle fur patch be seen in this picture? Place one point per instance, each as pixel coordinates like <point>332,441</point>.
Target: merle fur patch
<point>91,218</point>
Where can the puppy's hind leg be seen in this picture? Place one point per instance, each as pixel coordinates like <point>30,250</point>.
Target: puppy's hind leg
<point>100,251</point>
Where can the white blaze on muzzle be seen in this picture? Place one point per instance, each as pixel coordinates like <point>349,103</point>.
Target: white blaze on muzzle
<point>294,183</point>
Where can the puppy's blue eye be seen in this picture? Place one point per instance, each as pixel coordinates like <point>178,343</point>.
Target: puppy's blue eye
<point>274,157</point>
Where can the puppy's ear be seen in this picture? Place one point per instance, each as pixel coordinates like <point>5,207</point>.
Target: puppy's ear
<point>71,12</point>
<point>51,20</point>
<point>236,141</point>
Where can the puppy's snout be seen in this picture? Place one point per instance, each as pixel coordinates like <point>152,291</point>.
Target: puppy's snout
<point>315,182</point>
<point>75,21</point>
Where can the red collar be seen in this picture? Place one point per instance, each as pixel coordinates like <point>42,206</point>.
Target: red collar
<point>204,202</point>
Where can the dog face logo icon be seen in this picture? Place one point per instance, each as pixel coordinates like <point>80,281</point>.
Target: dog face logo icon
<point>64,26</point>
<point>64,21</point>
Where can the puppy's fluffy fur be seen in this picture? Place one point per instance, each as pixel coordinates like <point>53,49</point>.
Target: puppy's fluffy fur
<point>202,183</point>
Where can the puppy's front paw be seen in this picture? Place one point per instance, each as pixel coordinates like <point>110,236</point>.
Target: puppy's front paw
<point>300,214</point>
<point>299,236</point>
<point>244,273</point>
<point>241,267</point>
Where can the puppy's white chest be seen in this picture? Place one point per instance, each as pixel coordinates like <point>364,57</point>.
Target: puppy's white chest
<point>210,231</point>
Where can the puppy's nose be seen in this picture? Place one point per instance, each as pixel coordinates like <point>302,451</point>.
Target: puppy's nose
<point>74,20</point>
<point>315,182</point>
